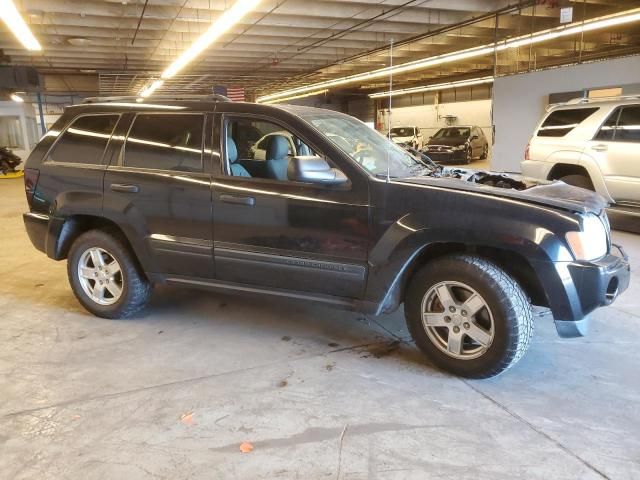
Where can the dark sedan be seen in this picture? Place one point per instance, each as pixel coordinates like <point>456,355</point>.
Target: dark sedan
<point>460,144</point>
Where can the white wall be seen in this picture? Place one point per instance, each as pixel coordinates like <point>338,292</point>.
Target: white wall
<point>430,118</point>
<point>520,101</point>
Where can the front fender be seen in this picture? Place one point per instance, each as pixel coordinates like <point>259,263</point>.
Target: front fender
<point>405,240</point>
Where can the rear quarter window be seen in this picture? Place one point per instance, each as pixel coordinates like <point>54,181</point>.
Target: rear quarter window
<point>560,122</point>
<point>84,141</point>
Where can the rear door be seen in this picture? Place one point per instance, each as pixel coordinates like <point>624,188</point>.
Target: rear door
<point>616,148</point>
<point>158,189</point>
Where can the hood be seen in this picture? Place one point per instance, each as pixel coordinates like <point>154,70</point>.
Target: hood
<point>448,141</point>
<point>555,194</point>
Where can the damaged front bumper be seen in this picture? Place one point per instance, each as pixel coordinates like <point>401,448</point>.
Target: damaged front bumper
<point>584,287</point>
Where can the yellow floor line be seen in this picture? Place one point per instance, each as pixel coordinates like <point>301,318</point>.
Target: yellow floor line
<point>17,174</point>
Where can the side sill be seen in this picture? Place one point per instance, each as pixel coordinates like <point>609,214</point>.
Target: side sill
<point>238,288</point>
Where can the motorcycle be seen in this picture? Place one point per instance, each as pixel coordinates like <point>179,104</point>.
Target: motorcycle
<point>8,160</point>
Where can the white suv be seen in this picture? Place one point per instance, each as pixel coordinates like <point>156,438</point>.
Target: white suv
<point>593,144</point>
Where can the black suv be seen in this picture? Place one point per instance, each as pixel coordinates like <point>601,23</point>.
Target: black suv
<point>175,191</point>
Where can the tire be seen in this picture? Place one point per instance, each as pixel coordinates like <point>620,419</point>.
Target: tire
<point>485,153</point>
<point>135,289</point>
<point>578,180</point>
<point>506,315</point>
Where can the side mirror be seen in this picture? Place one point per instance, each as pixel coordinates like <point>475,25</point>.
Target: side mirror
<point>474,137</point>
<point>312,169</point>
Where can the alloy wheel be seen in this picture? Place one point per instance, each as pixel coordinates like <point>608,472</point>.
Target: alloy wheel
<point>100,276</point>
<point>457,320</point>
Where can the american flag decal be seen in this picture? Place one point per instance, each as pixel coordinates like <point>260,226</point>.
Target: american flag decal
<point>235,94</point>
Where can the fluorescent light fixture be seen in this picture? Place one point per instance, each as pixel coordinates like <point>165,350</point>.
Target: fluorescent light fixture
<point>16,98</point>
<point>218,28</point>
<point>10,15</point>
<point>304,95</point>
<point>628,16</point>
<point>432,88</point>
<point>152,87</point>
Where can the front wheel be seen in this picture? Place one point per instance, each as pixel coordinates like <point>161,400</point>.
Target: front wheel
<point>485,152</point>
<point>105,277</point>
<point>468,316</point>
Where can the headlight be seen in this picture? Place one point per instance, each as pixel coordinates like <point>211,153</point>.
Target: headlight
<point>460,147</point>
<point>591,242</point>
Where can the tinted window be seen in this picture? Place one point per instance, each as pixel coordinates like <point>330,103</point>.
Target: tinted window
<point>608,128</point>
<point>85,140</point>
<point>561,122</point>
<point>165,142</point>
<point>628,129</point>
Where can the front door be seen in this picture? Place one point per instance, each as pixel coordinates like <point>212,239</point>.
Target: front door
<point>272,232</point>
<point>615,148</point>
<point>157,188</point>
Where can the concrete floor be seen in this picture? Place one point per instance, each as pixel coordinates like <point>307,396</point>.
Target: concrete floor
<point>320,393</point>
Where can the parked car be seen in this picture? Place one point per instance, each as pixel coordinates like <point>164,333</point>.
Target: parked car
<point>136,194</point>
<point>593,144</point>
<point>407,137</point>
<point>459,144</point>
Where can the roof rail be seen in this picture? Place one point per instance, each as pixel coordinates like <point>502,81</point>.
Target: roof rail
<point>134,98</point>
<point>584,100</point>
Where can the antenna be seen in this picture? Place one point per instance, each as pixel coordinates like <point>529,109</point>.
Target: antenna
<point>390,96</point>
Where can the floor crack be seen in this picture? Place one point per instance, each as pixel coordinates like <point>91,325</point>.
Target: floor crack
<point>537,430</point>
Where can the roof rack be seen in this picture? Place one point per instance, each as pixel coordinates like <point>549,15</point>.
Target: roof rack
<point>164,98</point>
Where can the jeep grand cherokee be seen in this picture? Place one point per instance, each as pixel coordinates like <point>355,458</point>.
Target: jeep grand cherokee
<point>170,191</point>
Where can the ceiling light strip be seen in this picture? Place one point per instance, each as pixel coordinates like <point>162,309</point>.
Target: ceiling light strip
<point>218,28</point>
<point>10,15</point>
<point>152,87</point>
<point>432,88</point>
<point>621,18</point>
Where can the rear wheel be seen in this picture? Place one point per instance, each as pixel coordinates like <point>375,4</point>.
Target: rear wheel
<point>105,277</point>
<point>468,316</point>
<point>578,180</point>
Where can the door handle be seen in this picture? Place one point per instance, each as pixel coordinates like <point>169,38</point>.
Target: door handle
<point>600,148</point>
<point>238,200</point>
<point>119,187</point>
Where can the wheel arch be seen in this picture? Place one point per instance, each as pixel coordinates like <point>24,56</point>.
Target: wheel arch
<point>560,170</point>
<point>76,225</point>
<point>512,262</point>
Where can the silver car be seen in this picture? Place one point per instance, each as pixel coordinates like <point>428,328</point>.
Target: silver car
<point>593,144</point>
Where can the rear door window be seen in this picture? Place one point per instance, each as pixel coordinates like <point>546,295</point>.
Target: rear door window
<point>561,122</point>
<point>165,142</point>
<point>628,128</point>
<point>85,140</point>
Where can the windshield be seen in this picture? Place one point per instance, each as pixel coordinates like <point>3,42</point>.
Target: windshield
<point>402,132</point>
<point>366,146</point>
<point>453,132</point>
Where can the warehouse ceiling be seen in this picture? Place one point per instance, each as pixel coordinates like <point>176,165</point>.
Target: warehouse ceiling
<point>117,47</point>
